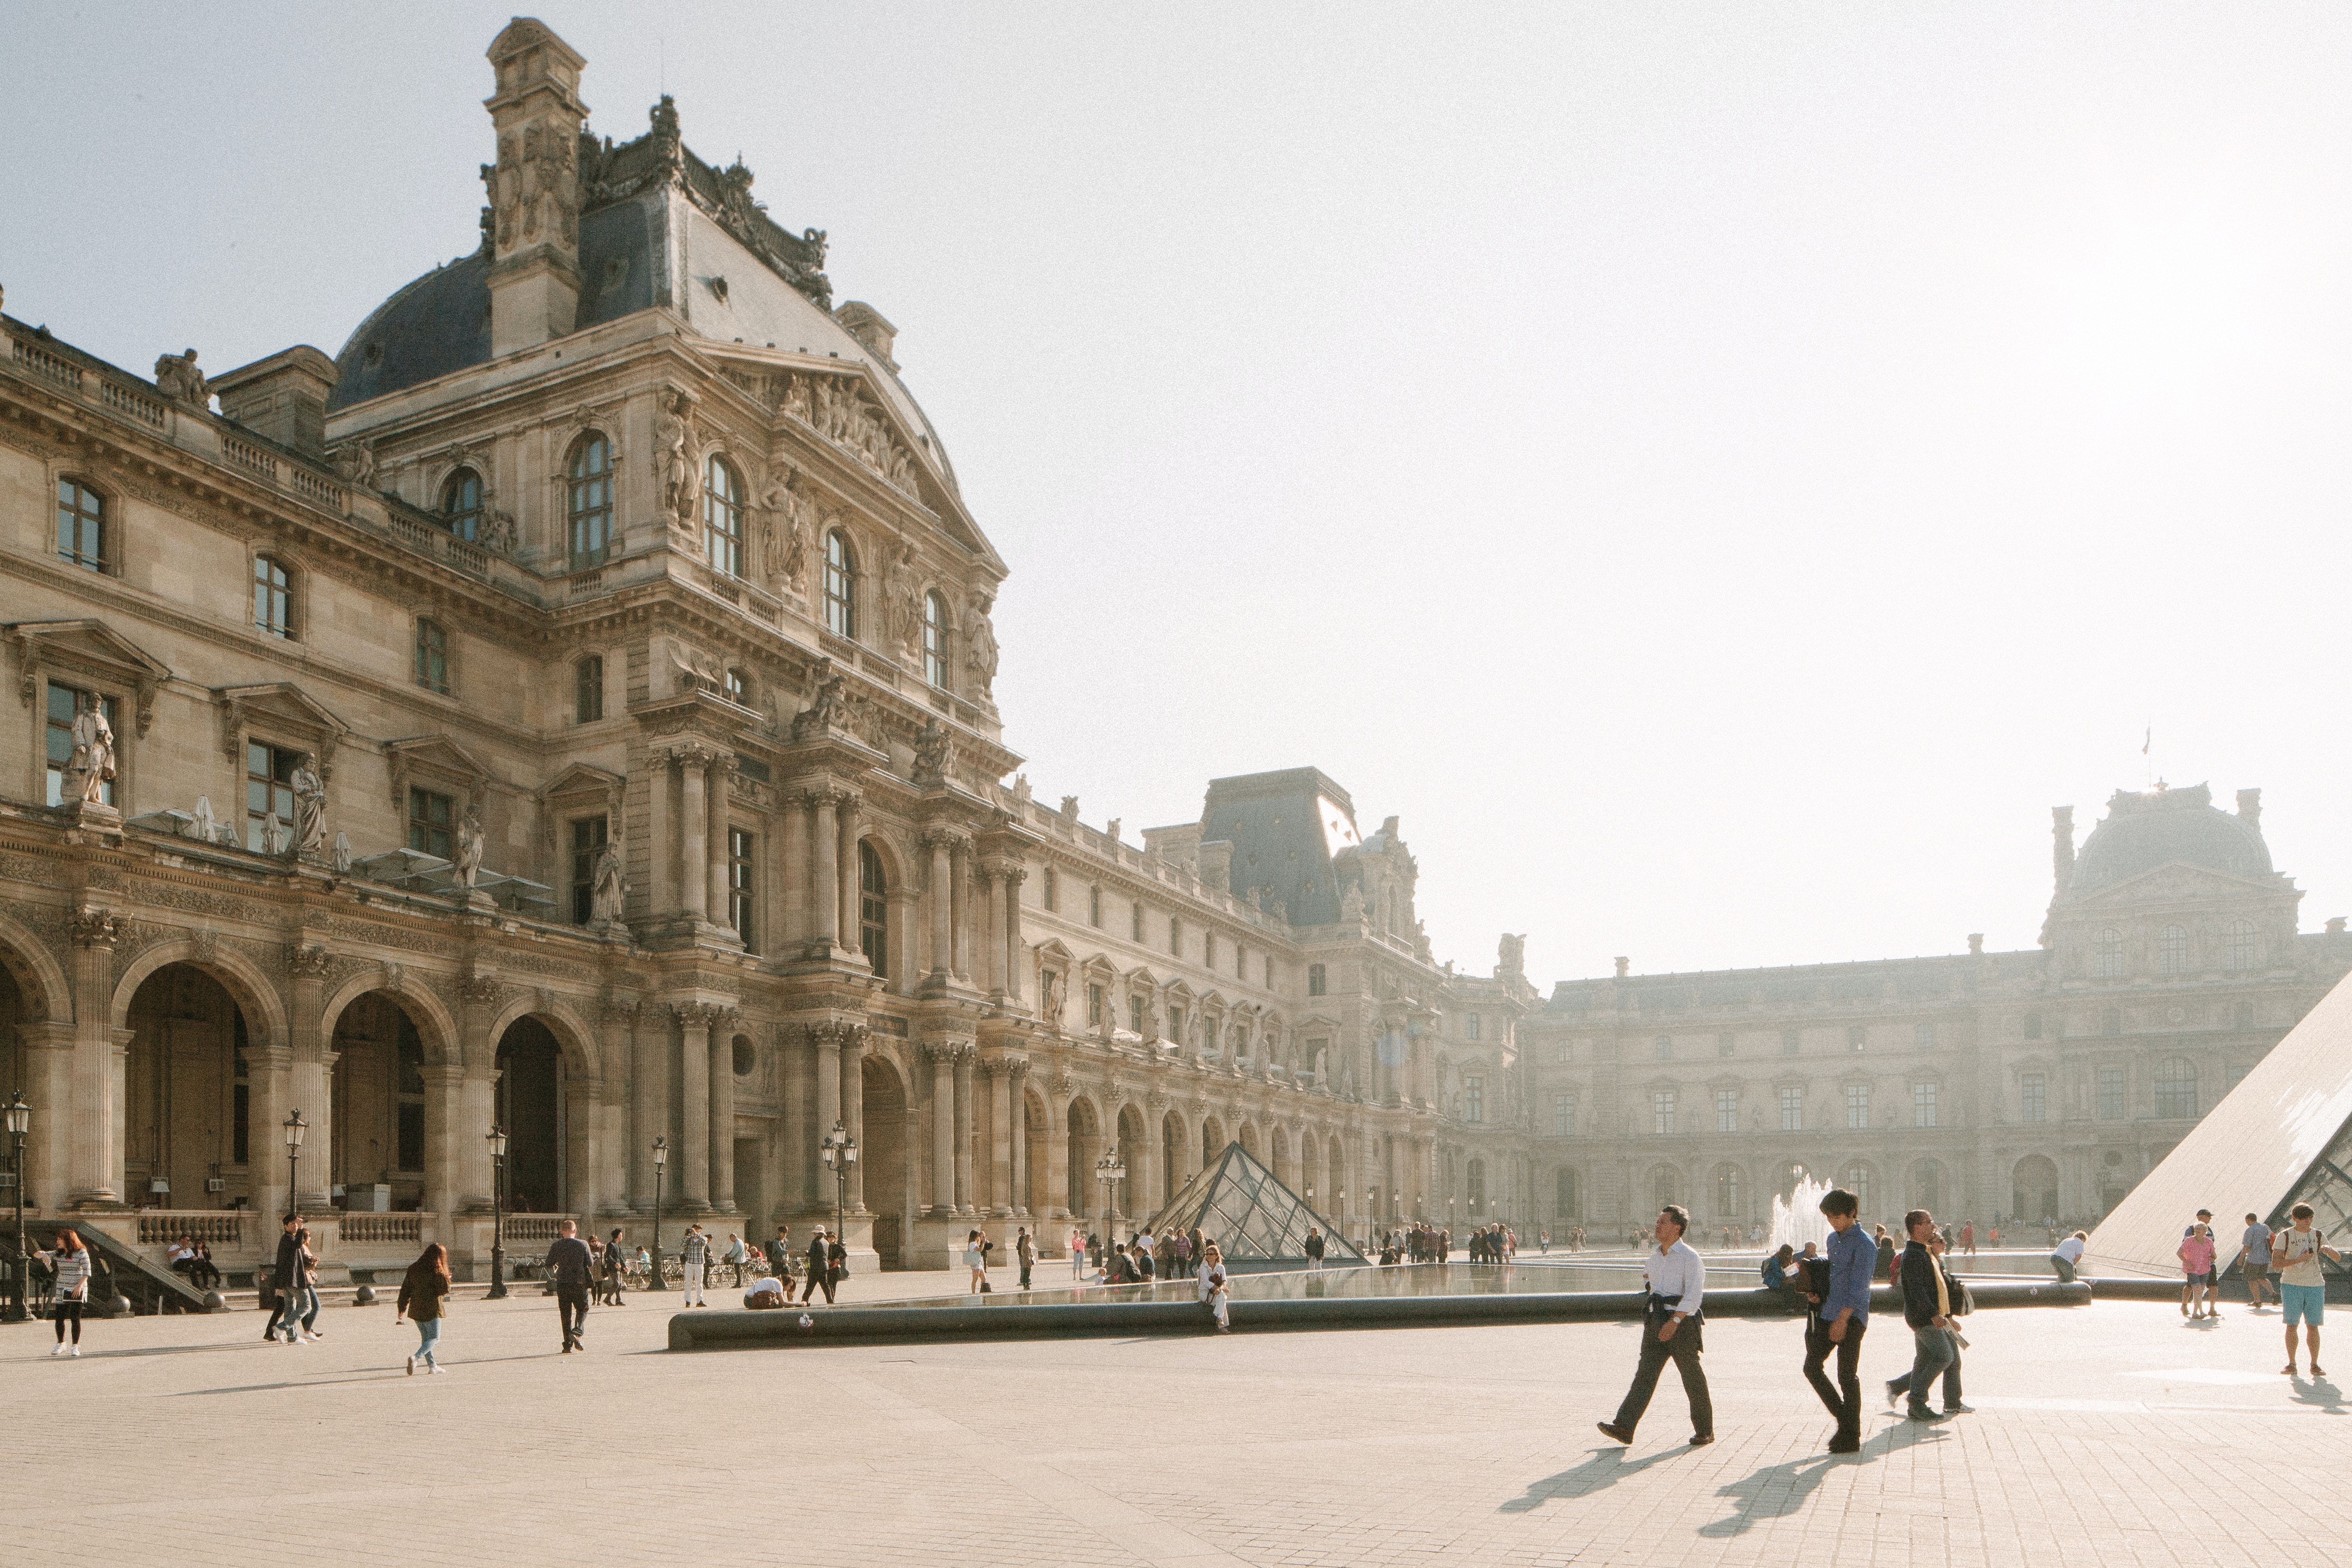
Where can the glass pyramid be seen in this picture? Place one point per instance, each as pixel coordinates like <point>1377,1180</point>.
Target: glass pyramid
<point>1258,1222</point>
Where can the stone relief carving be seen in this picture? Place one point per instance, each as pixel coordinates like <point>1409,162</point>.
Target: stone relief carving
<point>827,702</point>
<point>837,409</point>
<point>532,189</point>
<point>355,461</point>
<point>934,754</point>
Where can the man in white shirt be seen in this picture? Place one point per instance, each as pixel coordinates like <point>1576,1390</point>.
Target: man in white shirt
<point>1671,1328</point>
<point>2067,1256</point>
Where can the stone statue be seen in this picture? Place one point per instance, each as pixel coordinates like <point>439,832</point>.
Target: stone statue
<point>355,460</point>
<point>1351,902</point>
<point>342,855</point>
<point>207,826</point>
<point>678,488</point>
<point>310,808</point>
<point>934,754</point>
<point>1322,1066</point>
<point>979,648</point>
<point>498,532</point>
<point>825,705</point>
<point>785,539</point>
<point>91,768</point>
<point>608,886</point>
<point>1513,953</point>
<point>906,611</point>
<point>273,834</point>
<point>177,377</point>
<point>1049,1007</point>
<point>470,848</point>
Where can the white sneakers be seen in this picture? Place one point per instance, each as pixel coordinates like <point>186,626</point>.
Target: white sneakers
<point>67,1350</point>
<point>75,1351</point>
<point>60,1350</point>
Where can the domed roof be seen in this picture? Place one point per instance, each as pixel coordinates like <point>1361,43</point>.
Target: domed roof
<point>2166,826</point>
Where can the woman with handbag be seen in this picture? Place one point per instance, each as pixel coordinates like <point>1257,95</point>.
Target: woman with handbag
<point>69,1287</point>
<point>423,1290</point>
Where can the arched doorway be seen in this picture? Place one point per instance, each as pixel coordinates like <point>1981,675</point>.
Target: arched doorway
<point>378,1154</point>
<point>1130,1187</point>
<point>531,1105</point>
<point>1928,1186</point>
<point>1213,1141</point>
<point>2033,1188</point>
<point>1035,1192</point>
<point>882,1154</point>
<point>1171,1156</point>
<point>1567,1202</point>
<point>1085,1131</point>
<point>191,1133</point>
<point>1249,1142</point>
<point>1476,1194</point>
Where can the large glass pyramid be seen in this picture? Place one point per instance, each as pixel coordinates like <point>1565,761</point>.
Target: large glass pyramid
<point>1258,1222</point>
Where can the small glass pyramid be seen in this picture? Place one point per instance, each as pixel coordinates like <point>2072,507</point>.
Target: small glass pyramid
<point>1258,1222</point>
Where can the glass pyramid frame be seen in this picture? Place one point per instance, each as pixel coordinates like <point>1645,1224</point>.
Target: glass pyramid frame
<point>1258,1222</point>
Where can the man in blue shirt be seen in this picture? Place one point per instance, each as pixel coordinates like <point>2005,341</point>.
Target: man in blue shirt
<point>1839,1319</point>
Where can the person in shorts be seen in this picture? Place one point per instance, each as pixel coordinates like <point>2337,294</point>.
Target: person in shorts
<point>2255,1261</point>
<point>2196,1252</point>
<point>2303,1288</point>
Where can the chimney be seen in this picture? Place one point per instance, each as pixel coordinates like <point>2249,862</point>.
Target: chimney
<point>534,187</point>
<point>2250,801</point>
<point>868,326</point>
<point>1976,942</point>
<point>2335,926</point>
<point>1623,964</point>
<point>2062,847</point>
<point>283,398</point>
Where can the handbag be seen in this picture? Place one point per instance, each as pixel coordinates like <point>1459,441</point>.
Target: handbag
<point>986,1288</point>
<point>1963,1303</point>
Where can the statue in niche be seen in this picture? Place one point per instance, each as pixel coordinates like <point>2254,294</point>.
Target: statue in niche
<point>608,886</point>
<point>979,648</point>
<point>1351,902</point>
<point>826,704</point>
<point>468,863</point>
<point>91,766</point>
<point>177,377</point>
<point>1049,1005</point>
<point>671,443</point>
<point>906,611</point>
<point>784,531</point>
<point>934,754</point>
<point>310,808</point>
<point>1323,1066</point>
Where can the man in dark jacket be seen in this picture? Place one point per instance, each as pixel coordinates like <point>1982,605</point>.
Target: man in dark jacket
<point>1314,1248</point>
<point>571,1269</point>
<point>615,1262</point>
<point>820,1268</point>
<point>1927,1308</point>
<point>289,1266</point>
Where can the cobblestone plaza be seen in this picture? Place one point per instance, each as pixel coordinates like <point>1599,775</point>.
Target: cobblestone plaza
<point>2111,1432</point>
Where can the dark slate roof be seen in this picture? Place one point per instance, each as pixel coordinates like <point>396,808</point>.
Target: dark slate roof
<point>1275,828</point>
<point>2163,827</point>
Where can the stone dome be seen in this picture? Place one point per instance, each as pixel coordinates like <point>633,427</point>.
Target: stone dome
<point>2168,827</point>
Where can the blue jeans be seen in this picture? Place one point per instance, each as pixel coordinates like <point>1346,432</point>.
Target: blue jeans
<point>1933,1355</point>
<point>428,1339</point>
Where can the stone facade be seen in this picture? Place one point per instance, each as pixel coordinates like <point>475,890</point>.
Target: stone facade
<point>571,708</point>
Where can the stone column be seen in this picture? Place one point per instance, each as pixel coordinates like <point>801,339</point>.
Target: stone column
<point>624,1077</point>
<point>853,1110</point>
<point>943,1141</point>
<point>824,890</point>
<point>478,1107</point>
<point>1021,1183</point>
<point>1016,951</point>
<point>1146,1167</point>
<point>845,864</point>
<point>694,1113</point>
<point>715,856</point>
<point>48,1090</point>
<point>578,1193</point>
<point>942,880</point>
<point>444,1178</point>
<point>270,1101</point>
<point>965,1116</point>
<point>1057,1160</point>
<point>661,812</point>
<point>959,905</point>
<point>979,899</point>
<point>722,1110</point>
<point>97,1147</point>
<point>999,1073</point>
<point>905,914</point>
<point>312,1068</point>
<point>692,848</point>
<point>798,865</point>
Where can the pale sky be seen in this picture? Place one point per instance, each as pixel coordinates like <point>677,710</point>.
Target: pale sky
<point>1719,473</point>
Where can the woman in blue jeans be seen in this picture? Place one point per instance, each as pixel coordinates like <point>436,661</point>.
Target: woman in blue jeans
<point>423,1290</point>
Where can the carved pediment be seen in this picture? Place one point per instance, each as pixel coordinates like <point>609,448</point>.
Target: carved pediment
<point>436,763</point>
<point>2169,883</point>
<point>91,649</point>
<point>1053,947</point>
<point>583,780</point>
<point>278,711</point>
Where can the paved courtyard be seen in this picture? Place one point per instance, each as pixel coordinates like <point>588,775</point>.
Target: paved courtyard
<point>2113,1432</point>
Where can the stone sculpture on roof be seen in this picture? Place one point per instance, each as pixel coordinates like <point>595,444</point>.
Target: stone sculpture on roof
<point>177,377</point>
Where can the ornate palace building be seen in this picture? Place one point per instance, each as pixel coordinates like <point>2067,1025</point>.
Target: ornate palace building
<point>569,710</point>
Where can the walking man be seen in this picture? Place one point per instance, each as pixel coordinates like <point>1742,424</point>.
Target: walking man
<point>1314,1250</point>
<point>1026,1251</point>
<point>571,1267</point>
<point>1670,1330</point>
<point>1927,1308</point>
<point>695,1255</point>
<point>1839,1317</point>
<point>288,1276</point>
<point>616,1258</point>
<point>820,1268</point>
<point>2303,1288</point>
<point>2255,1261</point>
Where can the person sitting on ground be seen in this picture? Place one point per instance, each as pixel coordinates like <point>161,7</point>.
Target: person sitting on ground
<point>765,1294</point>
<point>181,1255</point>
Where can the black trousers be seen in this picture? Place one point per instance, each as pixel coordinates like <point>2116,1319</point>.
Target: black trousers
<point>1683,1351</point>
<point>818,1279</point>
<point>1845,1399</point>
<point>572,1306</point>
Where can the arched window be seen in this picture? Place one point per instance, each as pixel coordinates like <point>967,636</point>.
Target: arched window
<point>722,517</point>
<point>2172,951</point>
<point>461,503</point>
<point>2176,1088</point>
<point>1927,1185</point>
<point>588,499</point>
<point>840,587</point>
<point>737,686</point>
<point>935,640</point>
<point>81,525</point>
<point>873,910</point>
<point>2110,961</point>
<point>1564,1195</point>
<point>1728,1194</point>
<point>1856,1179</point>
<point>2237,945</point>
<point>273,598</point>
<point>588,689</point>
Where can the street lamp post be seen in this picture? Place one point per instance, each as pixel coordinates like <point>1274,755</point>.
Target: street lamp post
<point>840,1155</point>
<point>661,1160</point>
<point>20,1285</point>
<point>295,1128</point>
<point>1110,1169</point>
<point>497,1140</point>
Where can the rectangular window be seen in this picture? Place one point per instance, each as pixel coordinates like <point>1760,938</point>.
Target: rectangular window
<point>268,788</point>
<point>1856,1037</point>
<point>1208,949</point>
<point>429,823</point>
<point>588,839</point>
<point>1094,908</point>
<point>1792,1041</point>
<point>2033,1097</point>
<point>81,525</point>
<point>1241,962</point>
<point>1857,1106</point>
<point>1923,1036</point>
<point>1315,980</point>
<point>2111,1094</point>
<point>273,598</point>
<point>1563,1116</point>
<point>432,656</point>
<point>1050,893</point>
<point>1473,1100</point>
<point>588,696</point>
<point>1662,1110</point>
<point>1135,922</point>
<point>1726,1110</point>
<point>65,703</point>
<point>1725,1045</point>
<point>1135,1014</point>
<point>1269,971</point>
<point>1094,1006</point>
<point>1922,1105</point>
<point>1176,1023</point>
<point>1472,1026</point>
<point>1792,1108</point>
<point>1563,1058</point>
<point>742,903</point>
<point>1175,937</point>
